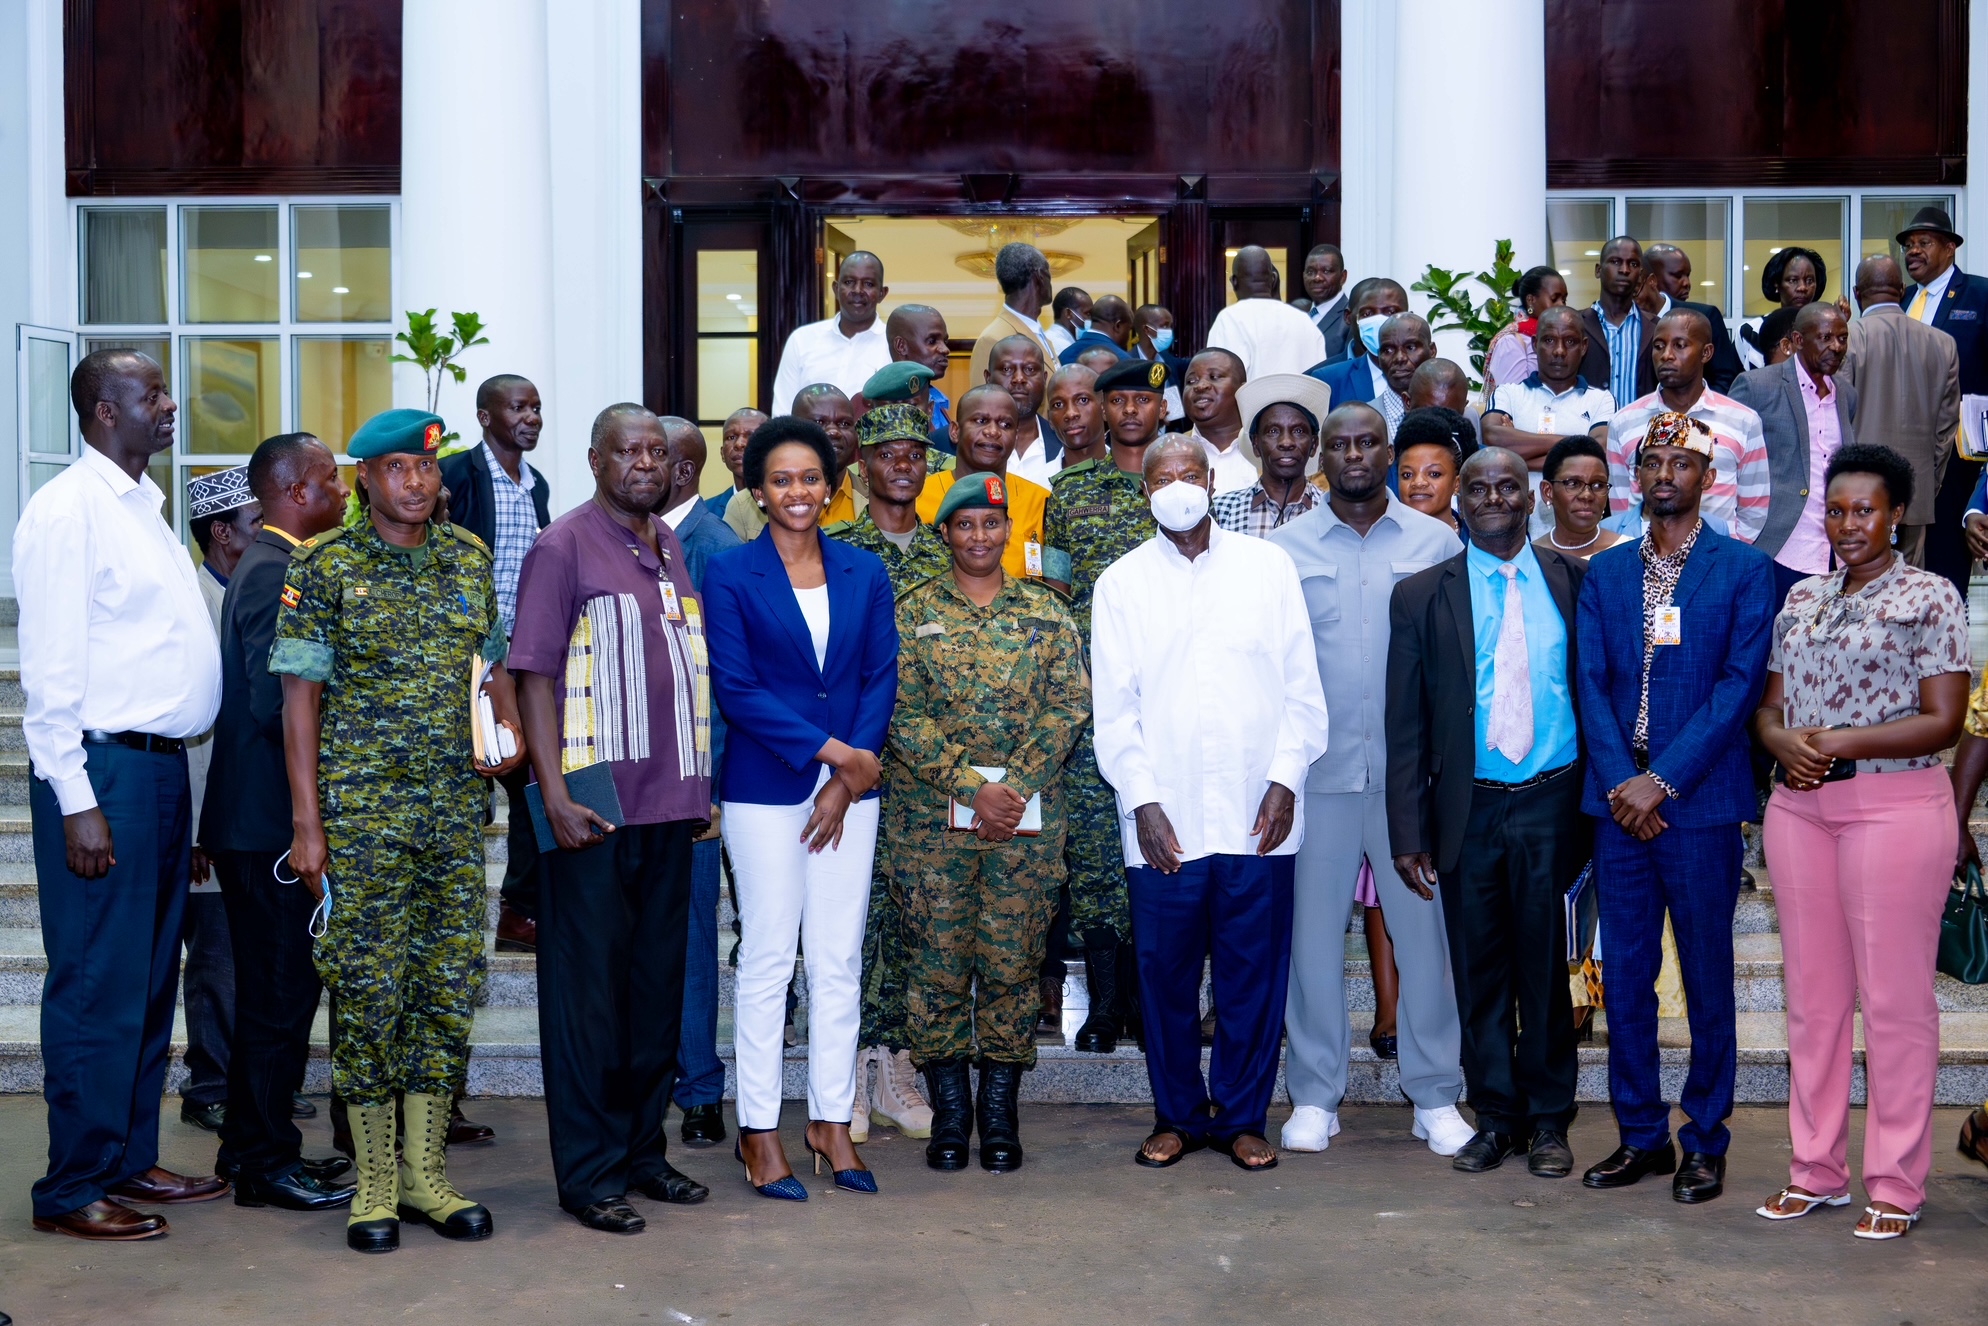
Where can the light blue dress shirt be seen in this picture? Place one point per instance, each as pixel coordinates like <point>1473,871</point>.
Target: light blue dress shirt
<point>1555,739</point>
<point>1623,342</point>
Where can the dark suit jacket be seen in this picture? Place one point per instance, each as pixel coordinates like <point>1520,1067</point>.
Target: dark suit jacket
<point>1432,700</point>
<point>703,537</point>
<point>1962,310</point>
<point>779,705</point>
<point>247,808</point>
<point>1091,340</point>
<point>1703,691</point>
<point>1332,325</point>
<point>1349,379</point>
<point>1775,394</point>
<point>472,502</point>
<point>1725,365</point>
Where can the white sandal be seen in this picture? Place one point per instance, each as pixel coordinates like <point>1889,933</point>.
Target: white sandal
<point>1878,1217</point>
<point>1810,1200</point>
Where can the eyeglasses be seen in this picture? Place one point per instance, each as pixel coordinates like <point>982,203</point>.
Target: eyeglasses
<point>1575,487</point>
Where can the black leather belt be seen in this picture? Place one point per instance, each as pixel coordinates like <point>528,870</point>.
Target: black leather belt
<point>144,741</point>
<point>1536,779</point>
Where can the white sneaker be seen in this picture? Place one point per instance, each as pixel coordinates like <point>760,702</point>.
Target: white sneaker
<point>1444,1129</point>
<point>1309,1129</point>
<point>859,1117</point>
<point>898,1101</point>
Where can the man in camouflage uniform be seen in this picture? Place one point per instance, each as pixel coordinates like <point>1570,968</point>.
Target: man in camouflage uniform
<point>1097,513</point>
<point>990,676</point>
<point>379,625</point>
<point>892,439</point>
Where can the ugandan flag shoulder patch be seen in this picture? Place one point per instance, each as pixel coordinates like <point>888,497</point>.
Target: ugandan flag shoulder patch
<point>292,596</point>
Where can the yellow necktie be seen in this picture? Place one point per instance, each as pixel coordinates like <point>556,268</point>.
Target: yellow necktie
<point>1918,305</point>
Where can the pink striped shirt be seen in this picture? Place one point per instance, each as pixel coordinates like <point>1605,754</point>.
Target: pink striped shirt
<point>1740,489</point>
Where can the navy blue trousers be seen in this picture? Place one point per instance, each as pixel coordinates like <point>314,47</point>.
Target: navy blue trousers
<point>113,968</point>
<point>1695,873</point>
<point>1237,909</point>
<point>700,1074</point>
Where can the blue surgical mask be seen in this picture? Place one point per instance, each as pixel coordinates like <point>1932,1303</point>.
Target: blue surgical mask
<point>1370,332</point>
<point>1163,340</point>
<point>1084,327</point>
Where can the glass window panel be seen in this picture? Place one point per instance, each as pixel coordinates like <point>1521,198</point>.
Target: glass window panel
<point>160,471</point>
<point>727,375</point>
<point>1576,228</point>
<point>1279,258</point>
<point>229,268</point>
<point>40,472</point>
<point>51,426</point>
<point>341,384</point>
<point>728,290</point>
<point>344,264</point>
<point>232,394</point>
<point>1882,219</point>
<point>1773,224</point>
<point>124,264</point>
<point>1701,227</point>
<point>160,348</point>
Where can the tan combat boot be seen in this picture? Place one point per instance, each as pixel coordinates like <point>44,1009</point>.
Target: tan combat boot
<point>373,1225</point>
<point>898,1101</point>
<point>425,1192</point>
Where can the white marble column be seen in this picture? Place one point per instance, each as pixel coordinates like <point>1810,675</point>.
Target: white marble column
<point>1424,183</point>
<point>476,192</point>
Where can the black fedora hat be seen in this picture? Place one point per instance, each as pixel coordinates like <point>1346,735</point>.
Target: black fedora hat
<point>1934,219</point>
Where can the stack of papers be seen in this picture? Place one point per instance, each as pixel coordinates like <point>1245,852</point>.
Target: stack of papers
<point>490,741</point>
<point>963,817</point>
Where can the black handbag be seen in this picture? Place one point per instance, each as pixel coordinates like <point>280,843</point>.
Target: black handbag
<point>1964,929</point>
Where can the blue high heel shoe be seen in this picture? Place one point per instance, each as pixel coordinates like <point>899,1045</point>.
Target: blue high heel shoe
<point>788,1189</point>
<point>849,1180</point>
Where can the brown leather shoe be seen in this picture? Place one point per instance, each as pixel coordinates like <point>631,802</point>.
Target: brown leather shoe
<point>464,1133</point>
<point>104,1221</point>
<point>516,932</point>
<point>162,1187</point>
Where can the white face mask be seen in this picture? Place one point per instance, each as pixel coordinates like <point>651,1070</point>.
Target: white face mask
<point>1180,506</point>
<point>1370,332</point>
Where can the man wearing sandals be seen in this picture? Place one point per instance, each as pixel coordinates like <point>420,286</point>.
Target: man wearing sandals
<point>1207,796</point>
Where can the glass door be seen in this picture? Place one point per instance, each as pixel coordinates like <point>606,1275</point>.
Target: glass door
<point>44,358</point>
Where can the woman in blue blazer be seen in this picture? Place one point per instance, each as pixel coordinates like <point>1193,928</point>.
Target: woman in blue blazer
<point>803,637</point>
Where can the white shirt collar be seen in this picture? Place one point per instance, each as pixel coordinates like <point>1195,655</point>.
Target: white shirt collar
<point>1937,287</point>
<point>120,484</point>
<point>1169,549</point>
<point>676,514</point>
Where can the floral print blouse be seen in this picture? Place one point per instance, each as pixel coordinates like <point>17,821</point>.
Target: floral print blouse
<point>1857,659</point>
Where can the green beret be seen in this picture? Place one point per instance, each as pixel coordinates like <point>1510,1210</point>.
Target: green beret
<point>897,420</point>
<point>1133,375</point>
<point>988,490</point>
<point>394,431</point>
<point>905,380</point>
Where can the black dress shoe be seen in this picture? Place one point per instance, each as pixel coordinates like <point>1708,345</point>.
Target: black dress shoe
<point>301,1107</point>
<point>324,1171</point>
<point>1700,1178</point>
<point>204,1116</point>
<point>612,1215</point>
<point>703,1125</point>
<point>1485,1150</point>
<point>1551,1158</point>
<point>294,1189</point>
<point>673,1186</point>
<point>1626,1164</point>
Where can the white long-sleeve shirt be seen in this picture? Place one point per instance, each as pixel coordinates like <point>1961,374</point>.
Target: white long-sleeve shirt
<point>819,352</point>
<point>114,633</point>
<point>1205,689</point>
<point>1268,335</point>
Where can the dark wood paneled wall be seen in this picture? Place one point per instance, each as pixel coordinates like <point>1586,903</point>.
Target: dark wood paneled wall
<point>1677,93</point>
<point>233,96</point>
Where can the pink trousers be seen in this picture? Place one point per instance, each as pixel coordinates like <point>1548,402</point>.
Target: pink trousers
<point>1861,870</point>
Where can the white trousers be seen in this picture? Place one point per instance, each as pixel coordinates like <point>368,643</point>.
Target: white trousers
<point>821,900</point>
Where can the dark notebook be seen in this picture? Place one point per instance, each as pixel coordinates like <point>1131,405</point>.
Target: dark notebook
<point>592,787</point>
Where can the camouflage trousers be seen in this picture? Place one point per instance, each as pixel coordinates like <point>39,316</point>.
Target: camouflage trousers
<point>884,957</point>
<point>1096,851</point>
<point>403,959</point>
<point>975,920</point>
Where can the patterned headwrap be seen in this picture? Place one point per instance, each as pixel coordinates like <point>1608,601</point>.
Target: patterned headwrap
<point>1671,429</point>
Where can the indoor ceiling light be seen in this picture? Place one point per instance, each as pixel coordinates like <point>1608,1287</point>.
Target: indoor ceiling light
<point>340,290</point>
<point>263,257</point>
<point>303,276</point>
<point>733,295</point>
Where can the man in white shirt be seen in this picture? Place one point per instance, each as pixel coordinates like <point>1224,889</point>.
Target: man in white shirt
<point>1207,796</point>
<point>1267,334</point>
<point>1017,364</point>
<point>845,349</point>
<point>120,666</point>
<point>1212,380</point>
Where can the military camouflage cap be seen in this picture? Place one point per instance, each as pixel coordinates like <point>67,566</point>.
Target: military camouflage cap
<point>989,490</point>
<point>897,420</point>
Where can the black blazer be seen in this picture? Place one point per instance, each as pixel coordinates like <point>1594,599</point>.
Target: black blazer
<point>247,808</point>
<point>473,503</point>
<point>1432,701</point>
<point>1725,365</point>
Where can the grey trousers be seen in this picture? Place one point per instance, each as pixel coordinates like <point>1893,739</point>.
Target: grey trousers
<point>1339,827</point>
<point>209,978</point>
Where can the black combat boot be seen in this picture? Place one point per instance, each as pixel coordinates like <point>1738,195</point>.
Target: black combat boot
<point>996,1111</point>
<point>1099,1034</point>
<point>950,1090</point>
<point>1129,1016</point>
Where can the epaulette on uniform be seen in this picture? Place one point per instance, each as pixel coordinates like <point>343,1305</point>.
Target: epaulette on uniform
<point>308,548</point>
<point>470,538</point>
<point>1068,470</point>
